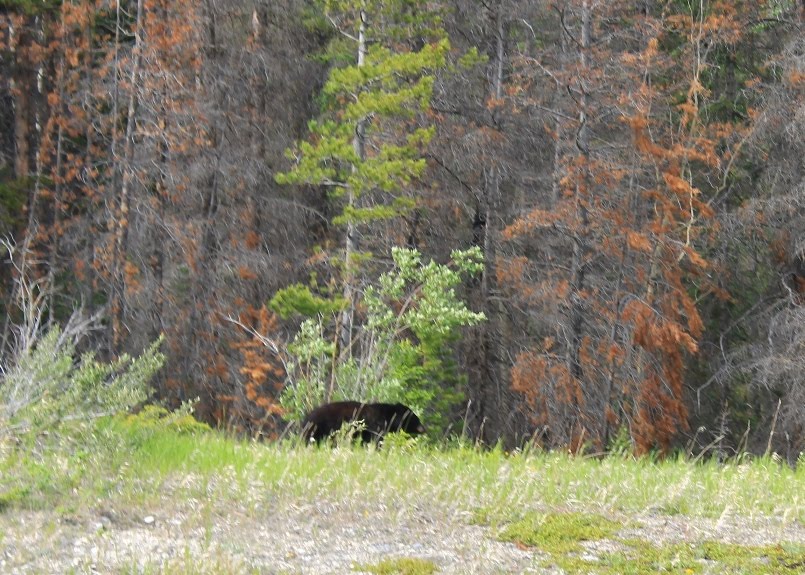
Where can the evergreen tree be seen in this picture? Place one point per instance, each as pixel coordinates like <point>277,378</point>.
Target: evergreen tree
<point>367,146</point>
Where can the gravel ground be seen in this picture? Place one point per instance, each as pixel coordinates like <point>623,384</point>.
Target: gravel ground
<point>327,538</point>
<point>322,539</point>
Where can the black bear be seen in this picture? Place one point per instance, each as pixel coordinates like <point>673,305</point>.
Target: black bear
<point>378,419</point>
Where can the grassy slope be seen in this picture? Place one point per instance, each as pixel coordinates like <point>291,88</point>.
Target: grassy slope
<point>477,479</point>
<point>551,501</point>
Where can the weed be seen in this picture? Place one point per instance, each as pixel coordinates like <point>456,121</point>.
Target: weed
<point>400,566</point>
<point>569,540</point>
<point>708,557</point>
<point>13,495</point>
<point>218,564</point>
<point>559,533</point>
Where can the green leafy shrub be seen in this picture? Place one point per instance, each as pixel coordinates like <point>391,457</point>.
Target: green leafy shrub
<point>403,349</point>
<point>155,417</point>
<point>559,532</point>
<point>47,389</point>
<point>63,415</point>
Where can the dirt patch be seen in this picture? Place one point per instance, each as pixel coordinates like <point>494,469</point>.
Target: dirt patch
<point>756,531</point>
<point>320,539</point>
<point>326,538</point>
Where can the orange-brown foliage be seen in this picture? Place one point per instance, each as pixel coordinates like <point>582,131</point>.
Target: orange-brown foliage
<point>256,407</point>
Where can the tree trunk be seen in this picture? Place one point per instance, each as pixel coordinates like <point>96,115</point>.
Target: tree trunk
<point>23,81</point>
<point>580,248</point>
<point>351,238</point>
<point>121,217</point>
<point>487,410</point>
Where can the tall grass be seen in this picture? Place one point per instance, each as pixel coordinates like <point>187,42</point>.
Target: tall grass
<point>130,465</point>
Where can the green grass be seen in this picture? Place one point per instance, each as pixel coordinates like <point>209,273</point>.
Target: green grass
<point>400,566</point>
<point>187,565</point>
<point>562,537</point>
<point>558,504</point>
<point>708,557</point>
<point>558,533</point>
<point>132,464</point>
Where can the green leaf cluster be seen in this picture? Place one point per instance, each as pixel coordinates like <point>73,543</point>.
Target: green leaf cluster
<point>153,419</point>
<point>298,298</point>
<point>30,7</point>
<point>13,194</point>
<point>400,20</point>
<point>312,356</point>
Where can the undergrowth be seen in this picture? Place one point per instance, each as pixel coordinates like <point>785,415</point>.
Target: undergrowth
<point>134,456</point>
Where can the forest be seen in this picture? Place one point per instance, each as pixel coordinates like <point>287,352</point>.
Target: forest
<point>573,223</point>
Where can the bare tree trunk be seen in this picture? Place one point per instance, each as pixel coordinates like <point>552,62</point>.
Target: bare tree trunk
<point>89,177</point>
<point>28,120</point>
<point>580,248</point>
<point>121,217</point>
<point>487,412</point>
<point>492,309</point>
<point>58,192</point>
<point>158,224</point>
<point>23,83</point>
<point>54,226</point>
<point>351,238</point>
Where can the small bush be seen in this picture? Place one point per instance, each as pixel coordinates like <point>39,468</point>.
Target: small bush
<point>54,409</point>
<point>155,417</point>
<point>47,388</point>
<point>404,349</point>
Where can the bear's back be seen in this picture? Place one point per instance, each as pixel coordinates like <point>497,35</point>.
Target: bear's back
<point>326,419</point>
<point>378,419</point>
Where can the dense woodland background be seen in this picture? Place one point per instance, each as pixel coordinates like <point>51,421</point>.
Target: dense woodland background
<point>632,173</point>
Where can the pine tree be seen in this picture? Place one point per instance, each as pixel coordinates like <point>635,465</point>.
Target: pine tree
<point>367,146</point>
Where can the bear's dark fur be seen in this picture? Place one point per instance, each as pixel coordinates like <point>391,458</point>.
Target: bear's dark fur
<point>378,419</point>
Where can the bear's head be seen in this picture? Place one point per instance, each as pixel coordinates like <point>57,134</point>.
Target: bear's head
<point>404,419</point>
